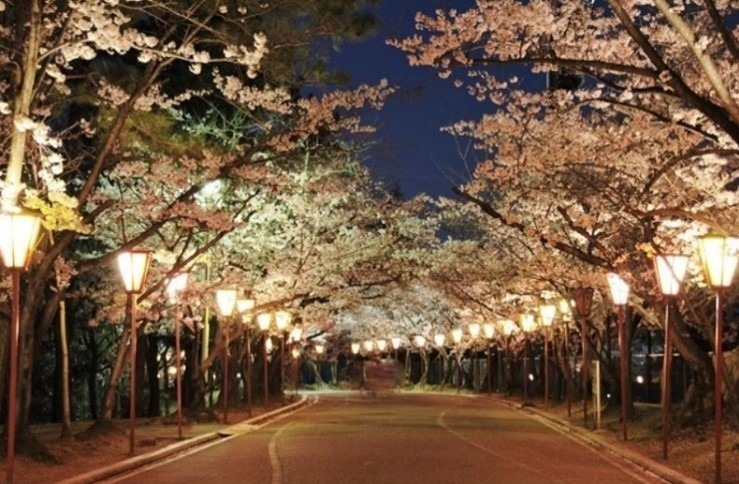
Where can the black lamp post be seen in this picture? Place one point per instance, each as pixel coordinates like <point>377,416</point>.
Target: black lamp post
<point>18,234</point>
<point>133,266</point>
<point>583,297</point>
<point>670,270</point>
<point>719,258</point>
<point>620,296</point>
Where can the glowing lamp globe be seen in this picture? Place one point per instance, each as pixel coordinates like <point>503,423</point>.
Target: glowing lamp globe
<point>619,289</point>
<point>18,233</point>
<point>134,266</point>
<point>718,255</point>
<point>547,312</point>
<point>264,320</point>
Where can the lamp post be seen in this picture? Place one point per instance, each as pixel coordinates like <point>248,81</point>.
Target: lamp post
<point>263,322</point>
<point>546,313</point>
<point>176,285</point>
<point>381,346</point>
<point>670,270</point>
<point>508,328</point>
<point>395,342</point>
<point>296,334</point>
<point>226,301</point>
<point>320,348</point>
<point>489,330</point>
<point>439,340</point>
<point>620,296</point>
<point>18,234</point>
<point>420,342</point>
<point>719,258</point>
<point>282,321</point>
<point>474,329</point>
<point>243,306</point>
<point>368,345</point>
<point>565,309</point>
<point>583,297</point>
<point>133,266</point>
<point>528,324</point>
<point>296,355</point>
<point>457,338</point>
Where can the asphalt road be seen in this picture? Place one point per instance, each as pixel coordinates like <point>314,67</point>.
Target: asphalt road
<point>389,438</point>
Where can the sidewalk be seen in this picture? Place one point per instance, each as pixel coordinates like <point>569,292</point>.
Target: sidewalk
<point>160,454</point>
<point>105,456</point>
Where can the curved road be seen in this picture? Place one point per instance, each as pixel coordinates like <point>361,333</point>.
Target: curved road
<point>391,438</point>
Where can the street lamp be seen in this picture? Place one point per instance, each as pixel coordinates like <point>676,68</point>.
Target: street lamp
<point>263,322</point>
<point>226,302</point>
<point>243,306</point>
<point>296,354</point>
<point>671,269</point>
<point>583,297</point>
<point>381,346</point>
<point>395,342</point>
<point>474,329</point>
<point>355,348</point>
<point>282,321</point>
<point>565,309</point>
<point>719,258</point>
<point>546,313</point>
<point>489,331</point>
<point>296,335</point>
<point>439,339</point>
<point>528,324</point>
<point>509,327</point>
<point>176,285</point>
<point>620,296</point>
<point>457,338</point>
<point>133,266</point>
<point>368,345</point>
<point>18,234</point>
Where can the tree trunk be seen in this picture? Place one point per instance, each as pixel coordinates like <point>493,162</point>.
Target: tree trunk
<point>116,372</point>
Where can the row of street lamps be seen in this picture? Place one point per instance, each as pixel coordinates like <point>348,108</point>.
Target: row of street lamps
<point>20,231</point>
<point>719,260</point>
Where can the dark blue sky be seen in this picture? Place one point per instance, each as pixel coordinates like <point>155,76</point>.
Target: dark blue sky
<point>410,150</point>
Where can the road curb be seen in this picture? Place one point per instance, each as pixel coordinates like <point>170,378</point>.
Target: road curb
<point>132,463</point>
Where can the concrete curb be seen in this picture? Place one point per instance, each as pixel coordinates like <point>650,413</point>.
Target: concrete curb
<point>160,454</point>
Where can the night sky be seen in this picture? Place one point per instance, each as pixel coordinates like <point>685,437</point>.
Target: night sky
<point>410,151</point>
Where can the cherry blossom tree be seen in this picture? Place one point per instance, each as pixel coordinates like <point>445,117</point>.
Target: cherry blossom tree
<point>114,155</point>
<point>636,156</point>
